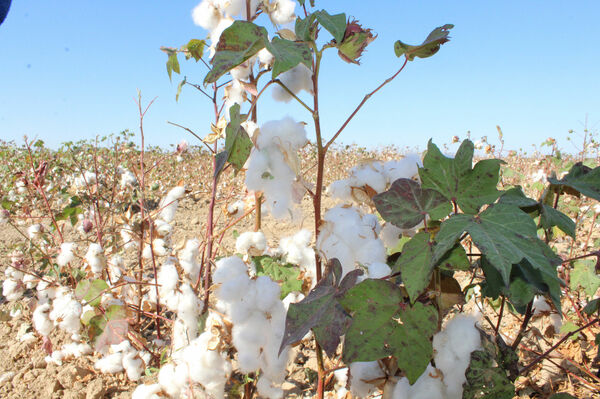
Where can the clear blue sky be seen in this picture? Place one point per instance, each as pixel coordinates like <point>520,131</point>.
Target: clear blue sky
<point>70,69</point>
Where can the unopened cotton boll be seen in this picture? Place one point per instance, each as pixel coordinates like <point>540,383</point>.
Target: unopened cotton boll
<point>296,79</point>
<point>95,258</point>
<point>282,11</point>
<point>66,253</point>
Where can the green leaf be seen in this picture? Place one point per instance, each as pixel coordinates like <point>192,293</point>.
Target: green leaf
<point>172,64</point>
<point>429,47</point>
<point>305,29</point>
<point>406,205</point>
<point>582,179</point>
<point>415,265</point>
<point>237,141</point>
<point>321,310</point>
<point>569,327</point>
<point>457,181</point>
<point>550,217</point>
<point>505,235</point>
<point>109,328</point>
<point>584,275</point>
<point>288,54</point>
<point>515,196</point>
<point>195,48</point>
<point>592,307</point>
<point>238,43</point>
<point>220,161</point>
<point>455,259</point>
<point>485,378</point>
<point>286,274</point>
<point>91,291</point>
<point>6,204</point>
<point>334,24</point>
<point>179,87</point>
<point>375,333</point>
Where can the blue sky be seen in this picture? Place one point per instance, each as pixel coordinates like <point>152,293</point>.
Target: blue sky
<point>71,69</point>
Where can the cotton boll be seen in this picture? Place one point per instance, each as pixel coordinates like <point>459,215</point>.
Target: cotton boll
<point>266,389</point>
<point>242,71</point>
<point>406,168</point>
<point>172,379</point>
<point>34,231</point>
<point>265,58</point>
<point>163,228</point>
<point>188,259</point>
<point>12,289</point>
<point>296,79</point>
<point>110,364</point>
<point>228,268</point>
<point>369,175</point>
<point>235,289</point>
<point>76,350</point>
<point>236,209</point>
<point>147,392</point>
<point>379,270</point>
<point>361,372</point>
<point>390,235</point>
<point>235,93</point>
<point>269,293</point>
<point>128,179</point>
<point>341,189</point>
<point>251,242</point>
<point>66,311</point>
<point>27,337</point>
<point>428,386</point>
<point>56,357</point>
<point>95,258</point>
<point>370,252</point>
<point>41,321</point>
<point>133,366</point>
<point>206,15</point>
<point>282,11</point>
<point>168,278</point>
<point>168,205</point>
<point>45,292</point>
<point>215,34</point>
<point>251,332</point>
<point>116,266</point>
<point>66,253</point>
<point>540,305</point>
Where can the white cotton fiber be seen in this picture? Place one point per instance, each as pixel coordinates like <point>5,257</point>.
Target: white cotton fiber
<point>405,168</point>
<point>379,270</point>
<point>228,268</point>
<point>12,289</point>
<point>95,258</point>
<point>66,253</point>
<point>110,364</point>
<point>41,321</point>
<point>188,259</point>
<point>282,11</point>
<point>168,205</point>
<point>296,79</point>
<point>146,392</point>
<point>206,15</point>
<point>133,365</point>
<point>268,293</point>
<point>360,372</point>
<point>251,242</point>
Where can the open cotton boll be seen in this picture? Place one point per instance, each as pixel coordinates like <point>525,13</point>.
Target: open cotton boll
<point>428,386</point>
<point>128,179</point>
<point>76,350</point>
<point>188,259</point>
<point>235,92</point>
<point>66,312</point>
<point>163,228</point>
<point>341,189</point>
<point>296,79</point>
<point>41,321</point>
<point>95,258</point>
<point>285,133</point>
<point>251,242</point>
<point>265,58</point>
<point>168,205</point>
<point>133,365</point>
<point>116,267</point>
<point>360,372</point>
<point>66,253</point>
<point>405,168</point>
<point>45,292</point>
<point>379,270</point>
<point>266,389</point>
<point>110,364</point>
<point>282,11</point>
<point>228,268</point>
<point>269,293</point>
<point>369,175</point>
<point>56,357</point>
<point>540,305</point>
<point>206,15</point>
<point>12,289</point>
<point>242,71</point>
<point>34,231</point>
<point>173,378</point>
<point>236,209</point>
<point>168,278</point>
<point>147,392</point>
<point>390,235</point>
